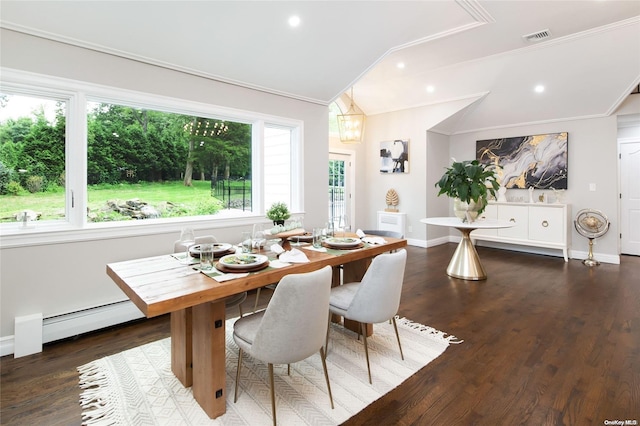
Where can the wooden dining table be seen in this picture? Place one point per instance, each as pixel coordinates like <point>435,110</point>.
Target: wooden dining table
<point>163,284</point>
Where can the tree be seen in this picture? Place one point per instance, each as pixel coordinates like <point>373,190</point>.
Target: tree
<point>43,153</point>
<point>12,136</point>
<point>217,144</point>
<point>129,144</point>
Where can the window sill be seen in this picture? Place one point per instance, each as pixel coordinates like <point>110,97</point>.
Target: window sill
<point>45,233</point>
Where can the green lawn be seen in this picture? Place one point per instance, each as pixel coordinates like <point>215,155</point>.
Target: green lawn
<point>194,200</point>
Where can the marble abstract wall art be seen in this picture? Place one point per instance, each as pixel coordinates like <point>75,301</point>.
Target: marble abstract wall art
<point>537,161</point>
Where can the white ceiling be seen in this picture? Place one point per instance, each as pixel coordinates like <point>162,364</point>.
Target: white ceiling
<point>466,49</point>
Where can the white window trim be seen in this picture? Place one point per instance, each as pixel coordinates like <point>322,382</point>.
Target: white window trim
<point>76,94</point>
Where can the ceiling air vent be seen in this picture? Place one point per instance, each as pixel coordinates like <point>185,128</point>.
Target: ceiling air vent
<point>537,36</point>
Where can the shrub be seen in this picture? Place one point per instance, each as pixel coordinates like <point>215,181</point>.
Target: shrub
<point>207,206</point>
<point>14,188</point>
<point>35,184</point>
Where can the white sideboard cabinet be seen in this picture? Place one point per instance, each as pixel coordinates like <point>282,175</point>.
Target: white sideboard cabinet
<point>538,225</point>
<point>392,221</point>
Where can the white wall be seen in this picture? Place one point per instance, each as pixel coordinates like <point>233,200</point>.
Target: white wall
<point>629,118</point>
<point>71,276</point>
<point>437,157</point>
<point>414,190</point>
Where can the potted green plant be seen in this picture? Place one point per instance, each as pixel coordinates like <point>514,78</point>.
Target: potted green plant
<point>469,183</point>
<point>278,213</point>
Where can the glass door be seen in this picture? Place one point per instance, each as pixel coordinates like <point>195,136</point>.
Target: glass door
<point>339,187</point>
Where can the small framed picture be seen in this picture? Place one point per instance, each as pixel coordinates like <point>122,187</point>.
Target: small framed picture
<point>394,156</point>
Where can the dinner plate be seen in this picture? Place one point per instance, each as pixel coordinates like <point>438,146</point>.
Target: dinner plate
<point>342,242</point>
<point>217,248</point>
<point>242,261</point>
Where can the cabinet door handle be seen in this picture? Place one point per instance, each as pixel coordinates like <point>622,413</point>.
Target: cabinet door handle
<point>512,220</point>
<point>545,223</point>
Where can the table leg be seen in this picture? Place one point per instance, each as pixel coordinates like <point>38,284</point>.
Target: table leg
<point>181,346</point>
<point>209,357</point>
<point>465,263</point>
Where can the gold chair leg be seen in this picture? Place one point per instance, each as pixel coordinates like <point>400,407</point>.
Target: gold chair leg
<point>395,326</point>
<point>288,369</point>
<point>235,398</point>
<point>326,340</point>
<point>363,327</point>
<point>240,309</point>
<point>273,394</point>
<point>326,374</point>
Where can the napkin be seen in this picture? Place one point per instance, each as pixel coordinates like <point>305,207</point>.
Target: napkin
<point>370,240</point>
<point>294,256</point>
<point>374,240</point>
<point>276,248</point>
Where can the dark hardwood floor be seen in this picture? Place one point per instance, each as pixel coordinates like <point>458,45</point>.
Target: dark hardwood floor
<point>545,343</point>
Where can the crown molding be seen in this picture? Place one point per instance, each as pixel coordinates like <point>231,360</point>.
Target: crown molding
<point>143,59</point>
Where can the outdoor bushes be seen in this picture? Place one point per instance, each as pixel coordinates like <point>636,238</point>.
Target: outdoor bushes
<point>207,206</point>
<point>35,184</point>
<point>13,188</point>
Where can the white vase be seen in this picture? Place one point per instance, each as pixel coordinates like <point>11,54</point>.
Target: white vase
<point>502,194</point>
<point>467,212</point>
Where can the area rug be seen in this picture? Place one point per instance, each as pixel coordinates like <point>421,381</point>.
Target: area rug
<point>137,387</point>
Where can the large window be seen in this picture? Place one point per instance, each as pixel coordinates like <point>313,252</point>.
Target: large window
<point>32,158</point>
<point>94,155</point>
<point>143,163</point>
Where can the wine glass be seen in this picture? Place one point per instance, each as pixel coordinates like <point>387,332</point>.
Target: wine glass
<point>187,239</point>
<point>297,223</point>
<point>259,236</point>
<point>344,225</point>
<point>329,228</point>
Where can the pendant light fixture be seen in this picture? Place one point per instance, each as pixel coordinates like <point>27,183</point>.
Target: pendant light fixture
<point>351,124</point>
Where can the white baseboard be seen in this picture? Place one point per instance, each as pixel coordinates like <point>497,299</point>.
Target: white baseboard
<point>604,258</point>
<point>439,241</point>
<point>75,323</point>
<point>417,243</point>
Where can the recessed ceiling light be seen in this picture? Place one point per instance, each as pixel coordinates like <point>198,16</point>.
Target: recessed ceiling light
<point>400,65</point>
<point>539,88</point>
<point>430,89</point>
<point>294,21</point>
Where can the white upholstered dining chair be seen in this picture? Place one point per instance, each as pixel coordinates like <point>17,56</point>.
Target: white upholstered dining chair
<point>375,299</point>
<point>292,328</point>
<point>231,301</point>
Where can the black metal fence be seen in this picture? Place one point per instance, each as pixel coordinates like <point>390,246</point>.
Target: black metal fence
<point>235,193</point>
<point>337,204</point>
